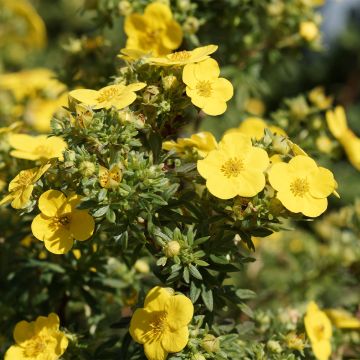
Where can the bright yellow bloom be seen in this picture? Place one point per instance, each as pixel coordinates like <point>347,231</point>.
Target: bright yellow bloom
<point>338,126</point>
<point>38,147</point>
<point>302,186</point>
<point>255,128</point>
<point>342,319</point>
<point>162,324</point>
<point>60,223</point>
<point>22,186</point>
<point>118,96</point>
<point>319,331</point>
<point>38,340</point>
<point>319,99</point>
<point>154,32</point>
<point>203,142</point>
<point>184,57</point>
<point>110,178</point>
<point>235,168</point>
<point>205,88</point>
<point>308,30</point>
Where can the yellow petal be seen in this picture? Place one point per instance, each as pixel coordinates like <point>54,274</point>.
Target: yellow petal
<point>82,225</point>
<point>42,227</point>
<point>24,155</point>
<point>50,322</point>
<point>256,158</point>
<point>213,106</point>
<point>62,343</point>
<point>23,331</point>
<point>172,37</point>
<point>15,353</point>
<point>140,325</point>
<point>135,86</point>
<point>60,243</point>
<point>314,207</point>
<point>279,176</point>
<point>155,351</point>
<point>157,298</point>
<point>235,144</point>
<point>22,198</point>
<point>322,183</point>
<point>222,187</point>
<point>302,164</point>
<point>158,12</point>
<point>207,70</point>
<point>250,182</point>
<point>211,165</point>
<point>322,349</point>
<point>337,122</point>
<point>134,23</point>
<point>175,341</point>
<point>51,202</point>
<point>8,198</point>
<point>23,142</point>
<point>342,319</point>
<point>188,75</point>
<point>180,311</point>
<point>222,89</point>
<point>86,96</point>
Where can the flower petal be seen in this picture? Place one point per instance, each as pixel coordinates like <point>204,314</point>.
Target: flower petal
<point>140,325</point>
<point>86,96</point>
<point>250,182</point>
<point>213,106</point>
<point>23,331</point>
<point>15,353</point>
<point>42,227</point>
<point>60,243</point>
<point>155,351</point>
<point>322,183</point>
<point>180,311</point>
<point>222,89</point>
<point>51,202</point>
<point>257,159</point>
<point>82,225</point>
<point>173,35</point>
<point>279,176</point>
<point>207,70</point>
<point>175,341</point>
<point>157,298</point>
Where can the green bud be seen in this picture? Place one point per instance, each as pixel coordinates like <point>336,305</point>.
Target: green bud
<point>210,343</point>
<point>169,82</point>
<point>125,8</point>
<point>191,25</point>
<point>172,248</point>
<point>87,168</point>
<point>150,94</point>
<point>280,145</point>
<point>274,346</point>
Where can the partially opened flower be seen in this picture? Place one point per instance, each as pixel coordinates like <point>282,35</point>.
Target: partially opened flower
<point>162,324</point>
<point>319,331</point>
<point>60,223</point>
<point>110,178</point>
<point>22,186</point>
<point>38,340</point>
<point>154,31</point>
<point>203,142</point>
<point>118,96</point>
<point>302,186</point>
<point>205,88</point>
<point>180,58</point>
<point>38,147</point>
<point>235,168</point>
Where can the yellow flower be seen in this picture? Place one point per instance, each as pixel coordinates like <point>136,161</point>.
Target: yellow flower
<point>338,126</point>
<point>319,99</point>
<point>255,128</point>
<point>342,319</point>
<point>154,31</point>
<point>184,57</point>
<point>203,142</point>
<point>205,88</point>
<point>39,339</point>
<point>162,324</point>
<point>294,341</point>
<point>118,96</point>
<point>308,30</point>
<point>60,223</point>
<point>38,147</point>
<point>255,106</point>
<point>302,186</point>
<point>319,331</point>
<point>22,186</point>
<point>324,144</point>
<point>235,168</point>
<point>110,178</point>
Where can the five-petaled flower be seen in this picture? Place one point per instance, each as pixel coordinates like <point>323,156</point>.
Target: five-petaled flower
<point>162,324</point>
<point>118,96</point>
<point>22,186</point>
<point>319,331</point>
<point>154,32</point>
<point>302,186</point>
<point>38,340</point>
<point>235,168</point>
<point>38,147</point>
<point>60,223</point>
<point>180,58</point>
<point>110,178</point>
<point>205,88</point>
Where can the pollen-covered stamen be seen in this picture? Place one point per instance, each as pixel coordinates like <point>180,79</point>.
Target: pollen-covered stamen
<point>204,88</point>
<point>232,167</point>
<point>34,346</point>
<point>43,151</point>
<point>158,326</point>
<point>180,55</point>
<point>107,94</point>
<point>299,187</point>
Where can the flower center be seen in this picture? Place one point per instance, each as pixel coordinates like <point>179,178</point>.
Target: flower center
<point>44,151</point>
<point>107,95</point>
<point>299,187</point>
<point>204,88</point>
<point>61,221</point>
<point>34,347</point>
<point>158,326</point>
<point>180,55</point>
<point>232,167</point>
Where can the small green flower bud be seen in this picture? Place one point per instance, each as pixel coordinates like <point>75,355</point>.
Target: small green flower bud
<point>141,266</point>
<point>87,168</point>
<point>150,94</point>
<point>169,82</point>
<point>210,343</point>
<point>274,346</point>
<point>172,248</point>
<point>280,145</point>
<point>191,25</point>
<point>125,8</point>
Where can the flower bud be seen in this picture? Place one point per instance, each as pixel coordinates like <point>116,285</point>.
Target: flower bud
<point>172,248</point>
<point>308,30</point>
<point>141,266</point>
<point>210,343</point>
<point>280,145</point>
<point>169,82</point>
<point>274,346</point>
<point>150,94</point>
<point>198,356</point>
<point>191,25</point>
<point>124,8</point>
<point>87,168</point>
<point>294,341</point>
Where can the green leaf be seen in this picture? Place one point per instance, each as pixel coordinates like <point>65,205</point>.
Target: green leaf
<point>111,216</point>
<point>186,275</point>
<point>245,294</point>
<point>195,272</point>
<point>194,292</point>
<point>101,211</point>
<point>207,297</point>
